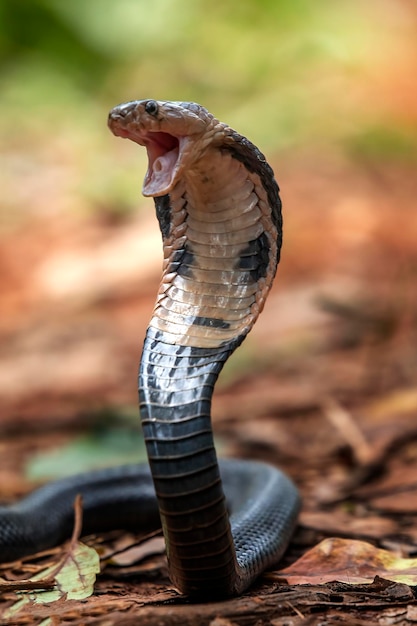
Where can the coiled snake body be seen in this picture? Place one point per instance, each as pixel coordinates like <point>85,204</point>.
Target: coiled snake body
<point>220,216</point>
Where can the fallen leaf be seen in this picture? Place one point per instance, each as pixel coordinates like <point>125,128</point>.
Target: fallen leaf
<point>370,527</point>
<point>395,490</point>
<point>221,621</point>
<point>397,502</point>
<point>138,553</point>
<point>412,613</point>
<point>348,561</point>
<point>73,581</point>
<point>77,577</point>
<point>395,402</point>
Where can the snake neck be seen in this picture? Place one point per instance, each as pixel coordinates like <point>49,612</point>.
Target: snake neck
<point>220,253</point>
<point>220,257</point>
<point>175,390</point>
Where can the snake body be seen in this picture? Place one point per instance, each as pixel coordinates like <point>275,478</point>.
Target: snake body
<point>219,212</point>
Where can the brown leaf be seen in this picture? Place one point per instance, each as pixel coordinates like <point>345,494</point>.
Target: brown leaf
<point>400,401</point>
<point>337,521</point>
<point>352,562</point>
<point>137,553</point>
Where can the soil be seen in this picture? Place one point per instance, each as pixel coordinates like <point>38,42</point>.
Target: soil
<point>324,387</point>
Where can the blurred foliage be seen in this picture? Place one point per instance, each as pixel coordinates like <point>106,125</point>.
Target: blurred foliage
<point>106,448</point>
<point>288,73</point>
<point>380,143</point>
<point>38,32</point>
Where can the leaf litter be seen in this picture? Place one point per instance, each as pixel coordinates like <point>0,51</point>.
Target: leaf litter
<point>348,561</point>
<point>72,578</point>
<point>335,406</point>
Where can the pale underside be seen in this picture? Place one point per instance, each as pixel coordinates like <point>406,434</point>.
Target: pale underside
<point>217,207</point>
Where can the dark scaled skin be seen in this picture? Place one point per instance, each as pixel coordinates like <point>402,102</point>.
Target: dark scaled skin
<point>219,212</point>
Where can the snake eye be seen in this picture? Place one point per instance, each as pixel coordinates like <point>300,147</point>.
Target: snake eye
<point>151,107</point>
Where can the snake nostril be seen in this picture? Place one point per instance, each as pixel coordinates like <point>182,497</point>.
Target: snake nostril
<point>122,110</point>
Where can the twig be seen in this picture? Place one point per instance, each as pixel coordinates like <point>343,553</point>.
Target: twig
<point>49,582</point>
<point>341,419</point>
<point>76,533</point>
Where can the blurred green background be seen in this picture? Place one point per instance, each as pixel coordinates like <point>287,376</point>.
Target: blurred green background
<point>294,75</point>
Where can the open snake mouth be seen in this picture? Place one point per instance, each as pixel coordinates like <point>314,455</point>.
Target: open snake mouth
<point>164,152</point>
<point>164,155</point>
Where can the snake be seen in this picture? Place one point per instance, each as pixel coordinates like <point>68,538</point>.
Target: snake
<point>224,521</point>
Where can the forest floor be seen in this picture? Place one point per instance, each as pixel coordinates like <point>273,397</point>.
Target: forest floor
<point>324,388</point>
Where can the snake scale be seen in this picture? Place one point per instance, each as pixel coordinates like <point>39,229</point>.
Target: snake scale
<point>219,212</point>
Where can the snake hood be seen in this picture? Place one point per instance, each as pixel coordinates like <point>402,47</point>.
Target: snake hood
<point>219,211</point>
<point>175,134</point>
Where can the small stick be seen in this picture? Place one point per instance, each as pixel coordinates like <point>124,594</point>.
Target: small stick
<point>343,421</point>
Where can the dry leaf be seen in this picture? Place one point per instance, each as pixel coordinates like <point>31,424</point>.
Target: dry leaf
<point>393,403</point>
<point>138,553</point>
<point>370,527</point>
<point>348,561</point>
<point>73,581</point>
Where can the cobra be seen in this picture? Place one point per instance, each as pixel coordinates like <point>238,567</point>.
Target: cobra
<point>219,212</point>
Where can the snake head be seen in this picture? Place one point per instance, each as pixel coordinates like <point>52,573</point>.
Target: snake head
<point>169,131</point>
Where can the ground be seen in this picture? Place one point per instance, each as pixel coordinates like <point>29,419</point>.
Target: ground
<point>324,388</point>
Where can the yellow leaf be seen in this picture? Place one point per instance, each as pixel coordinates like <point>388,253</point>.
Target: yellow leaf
<point>76,579</point>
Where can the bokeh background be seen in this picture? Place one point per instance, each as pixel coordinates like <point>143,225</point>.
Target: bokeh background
<point>326,89</point>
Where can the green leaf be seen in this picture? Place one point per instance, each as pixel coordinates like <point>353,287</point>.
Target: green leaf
<point>74,580</point>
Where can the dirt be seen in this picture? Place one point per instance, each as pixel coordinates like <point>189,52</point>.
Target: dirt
<point>324,387</point>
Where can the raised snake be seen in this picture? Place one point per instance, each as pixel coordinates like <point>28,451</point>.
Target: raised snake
<point>219,212</point>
